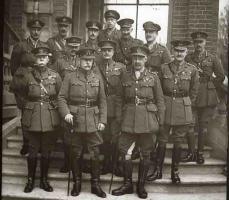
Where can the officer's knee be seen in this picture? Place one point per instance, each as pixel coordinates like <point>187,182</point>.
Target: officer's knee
<point>94,152</point>
<point>177,144</point>
<point>33,151</point>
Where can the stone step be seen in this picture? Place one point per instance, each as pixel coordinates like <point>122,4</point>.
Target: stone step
<point>211,165</point>
<point>191,183</point>
<point>14,192</point>
<point>15,141</point>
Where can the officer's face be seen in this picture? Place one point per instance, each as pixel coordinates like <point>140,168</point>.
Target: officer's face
<point>93,33</point>
<point>199,45</point>
<point>126,31</point>
<point>42,60</point>
<point>111,22</point>
<point>73,49</point>
<point>63,30</point>
<point>138,61</point>
<point>150,35</point>
<point>35,32</point>
<point>86,63</point>
<point>108,53</point>
<point>179,55</point>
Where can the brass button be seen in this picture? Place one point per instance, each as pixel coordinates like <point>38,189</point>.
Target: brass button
<point>41,103</point>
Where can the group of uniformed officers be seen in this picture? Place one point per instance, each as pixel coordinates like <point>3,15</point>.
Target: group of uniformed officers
<point>112,95</point>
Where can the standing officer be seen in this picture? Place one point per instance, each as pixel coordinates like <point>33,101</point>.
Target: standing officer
<point>180,83</point>
<point>140,111</point>
<point>82,104</point>
<point>110,32</point>
<point>39,89</point>
<point>207,99</point>
<point>159,54</point>
<point>126,41</point>
<point>64,66</point>
<point>57,44</point>
<point>110,72</point>
<point>23,58</point>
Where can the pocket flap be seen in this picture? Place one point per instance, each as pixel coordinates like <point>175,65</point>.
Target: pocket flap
<point>211,85</point>
<point>76,83</point>
<point>73,109</point>
<point>187,101</point>
<point>126,84</point>
<point>151,107</point>
<point>29,105</point>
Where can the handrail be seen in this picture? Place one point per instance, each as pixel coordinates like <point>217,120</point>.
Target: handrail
<point>14,33</point>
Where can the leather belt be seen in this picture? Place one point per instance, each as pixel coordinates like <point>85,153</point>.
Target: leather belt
<point>139,101</point>
<point>176,95</point>
<point>88,103</point>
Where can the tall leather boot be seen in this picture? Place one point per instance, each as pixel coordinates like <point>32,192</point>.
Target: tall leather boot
<point>95,179</point>
<point>127,187</point>
<point>25,147</point>
<point>44,184</point>
<point>76,173</point>
<point>175,164</point>
<point>191,155</point>
<point>157,173</point>
<point>142,174</point>
<point>65,168</point>
<point>107,151</point>
<point>32,164</point>
<point>200,151</point>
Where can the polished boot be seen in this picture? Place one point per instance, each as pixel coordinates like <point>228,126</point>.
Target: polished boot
<point>127,187</point>
<point>95,179</point>
<point>200,154</point>
<point>76,173</point>
<point>142,174</point>
<point>25,147</point>
<point>106,165</point>
<point>157,173</point>
<point>175,164</point>
<point>191,155</point>
<point>32,164</point>
<point>65,167</point>
<point>44,184</point>
<point>200,157</point>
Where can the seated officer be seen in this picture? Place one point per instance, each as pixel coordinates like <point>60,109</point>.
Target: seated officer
<point>82,104</point>
<point>40,118</point>
<point>57,44</point>
<point>138,101</point>
<point>180,83</point>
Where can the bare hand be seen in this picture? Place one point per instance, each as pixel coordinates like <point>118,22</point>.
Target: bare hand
<point>69,118</point>
<point>101,126</point>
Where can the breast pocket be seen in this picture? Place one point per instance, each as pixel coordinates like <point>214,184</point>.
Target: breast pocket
<point>167,82</point>
<point>128,90</point>
<point>94,88</point>
<point>76,89</point>
<point>51,86</point>
<point>146,89</point>
<point>34,89</point>
<point>185,79</point>
<point>27,114</point>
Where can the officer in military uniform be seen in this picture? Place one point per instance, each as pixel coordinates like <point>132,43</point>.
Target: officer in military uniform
<point>125,42</point>
<point>140,111</point>
<point>180,83</point>
<point>159,54</point>
<point>39,89</point>
<point>82,104</point>
<point>69,63</point>
<point>110,32</point>
<point>22,58</point>
<point>110,72</point>
<point>207,99</point>
<point>57,44</point>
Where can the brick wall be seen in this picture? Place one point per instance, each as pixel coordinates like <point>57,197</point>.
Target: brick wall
<point>195,15</point>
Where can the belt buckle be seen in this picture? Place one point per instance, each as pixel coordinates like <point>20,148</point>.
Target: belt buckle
<point>137,101</point>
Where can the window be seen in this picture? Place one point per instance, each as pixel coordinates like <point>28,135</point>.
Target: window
<point>142,11</point>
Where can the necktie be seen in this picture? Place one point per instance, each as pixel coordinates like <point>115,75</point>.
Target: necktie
<point>137,74</point>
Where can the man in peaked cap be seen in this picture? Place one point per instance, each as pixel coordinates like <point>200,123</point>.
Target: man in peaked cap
<point>22,59</point>
<point>207,98</point>
<point>136,113</point>
<point>110,32</point>
<point>180,82</point>
<point>110,72</point>
<point>57,44</point>
<point>159,54</point>
<point>83,106</point>
<point>126,41</point>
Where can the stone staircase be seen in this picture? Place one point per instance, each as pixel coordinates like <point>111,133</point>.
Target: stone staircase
<point>198,181</point>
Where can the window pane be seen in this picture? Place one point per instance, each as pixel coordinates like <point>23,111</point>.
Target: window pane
<point>125,12</point>
<point>120,1</point>
<point>153,1</point>
<point>157,14</point>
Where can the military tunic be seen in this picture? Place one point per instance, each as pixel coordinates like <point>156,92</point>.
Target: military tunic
<point>180,87</point>
<point>123,49</point>
<point>158,55</point>
<point>25,46</point>
<point>57,47</point>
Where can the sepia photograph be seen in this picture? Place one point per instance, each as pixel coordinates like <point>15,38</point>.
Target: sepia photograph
<point>115,99</point>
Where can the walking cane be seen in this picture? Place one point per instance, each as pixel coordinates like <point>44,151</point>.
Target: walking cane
<point>71,131</point>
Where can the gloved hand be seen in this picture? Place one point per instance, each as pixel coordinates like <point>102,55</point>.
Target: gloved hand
<point>69,118</point>
<point>101,127</point>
